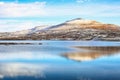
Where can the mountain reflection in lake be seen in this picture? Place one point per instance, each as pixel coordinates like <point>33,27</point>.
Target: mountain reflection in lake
<point>60,60</point>
<point>93,52</point>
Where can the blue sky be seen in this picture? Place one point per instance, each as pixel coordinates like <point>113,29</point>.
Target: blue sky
<point>24,14</point>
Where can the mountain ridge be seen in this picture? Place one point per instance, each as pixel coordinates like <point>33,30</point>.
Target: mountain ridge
<point>75,29</point>
<point>83,23</point>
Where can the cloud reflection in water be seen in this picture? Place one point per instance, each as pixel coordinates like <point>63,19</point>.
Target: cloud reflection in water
<point>21,69</point>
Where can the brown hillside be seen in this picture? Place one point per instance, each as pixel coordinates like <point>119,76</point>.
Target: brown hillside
<point>87,24</point>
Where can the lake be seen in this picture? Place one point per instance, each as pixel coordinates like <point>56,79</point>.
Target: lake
<point>60,60</point>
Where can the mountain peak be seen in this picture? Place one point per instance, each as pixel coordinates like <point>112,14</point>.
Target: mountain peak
<point>82,21</point>
<point>75,19</point>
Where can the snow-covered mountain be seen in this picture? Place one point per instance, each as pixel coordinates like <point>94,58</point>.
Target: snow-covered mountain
<point>76,29</point>
<point>79,23</point>
<point>22,32</point>
<point>30,31</point>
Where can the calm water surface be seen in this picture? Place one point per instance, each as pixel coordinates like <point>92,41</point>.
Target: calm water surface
<point>60,60</point>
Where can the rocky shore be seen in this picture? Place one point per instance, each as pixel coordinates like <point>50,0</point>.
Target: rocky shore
<point>15,43</point>
<point>76,34</point>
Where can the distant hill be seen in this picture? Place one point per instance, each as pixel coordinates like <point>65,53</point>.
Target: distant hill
<point>83,23</point>
<point>76,29</point>
<point>30,31</point>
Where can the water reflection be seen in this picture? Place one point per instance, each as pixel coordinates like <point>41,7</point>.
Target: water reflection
<point>30,53</point>
<point>92,52</point>
<point>21,69</point>
<point>44,62</point>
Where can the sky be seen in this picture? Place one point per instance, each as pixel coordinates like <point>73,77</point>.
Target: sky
<point>18,15</point>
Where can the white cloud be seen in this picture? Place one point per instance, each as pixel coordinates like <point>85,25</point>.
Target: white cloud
<point>16,25</point>
<point>96,10</point>
<point>40,9</point>
<point>22,9</point>
<point>82,1</point>
<point>1,3</point>
<point>108,11</point>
